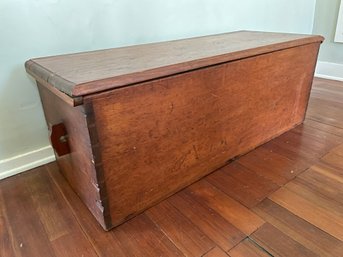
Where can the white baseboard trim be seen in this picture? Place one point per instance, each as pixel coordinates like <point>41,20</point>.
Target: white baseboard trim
<point>26,161</point>
<point>329,70</point>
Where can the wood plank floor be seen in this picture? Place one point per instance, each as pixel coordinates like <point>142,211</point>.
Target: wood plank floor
<point>285,198</point>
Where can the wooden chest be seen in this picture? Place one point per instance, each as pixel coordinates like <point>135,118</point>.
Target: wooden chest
<point>130,126</point>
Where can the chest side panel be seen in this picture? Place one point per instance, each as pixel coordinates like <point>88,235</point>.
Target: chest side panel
<point>158,137</point>
<point>77,166</point>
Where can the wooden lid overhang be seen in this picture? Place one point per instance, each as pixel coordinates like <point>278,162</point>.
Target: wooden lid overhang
<point>80,74</point>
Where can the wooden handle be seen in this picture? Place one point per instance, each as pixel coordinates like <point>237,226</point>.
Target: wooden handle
<point>59,139</point>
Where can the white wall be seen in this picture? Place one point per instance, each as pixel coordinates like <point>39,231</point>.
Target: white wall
<point>330,63</point>
<point>47,27</point>
<point>325,23</point>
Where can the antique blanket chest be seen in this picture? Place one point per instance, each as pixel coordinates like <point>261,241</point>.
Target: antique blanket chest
<point>130,126</point>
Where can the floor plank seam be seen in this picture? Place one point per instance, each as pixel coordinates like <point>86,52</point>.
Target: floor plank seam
<point>250,207</point>
<point>288,203</point>
<point>302,219</point>
<point>166,235</point>
<point>319,193</point>
<point>234,245</point>
<point>320,121</point>
<point>39,220</point>
<point>73,212</point>
<point>211,250</point>
<point>260,247</point>
<point>312,119</point>
<point>11,239</point>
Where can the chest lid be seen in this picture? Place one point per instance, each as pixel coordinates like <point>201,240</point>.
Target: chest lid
<point>96,71</point>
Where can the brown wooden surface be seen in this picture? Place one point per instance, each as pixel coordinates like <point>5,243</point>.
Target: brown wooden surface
<point>59,139</point>
<point>215,226</point>
<point>247,186</point>
<point>40,215</point>
<point>248,248</point>
<point>312,237</point>
<point>277,243</point>
<point>72,101</point>
<point>188,237</point>
<point>305,203</point>
<point>216,252</point>
<point>175,130</point>
<point>90,72</point>
<point>78,166</point>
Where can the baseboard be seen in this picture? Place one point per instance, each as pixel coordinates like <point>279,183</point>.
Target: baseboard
<point>27,161</point>
<point>329,70</point>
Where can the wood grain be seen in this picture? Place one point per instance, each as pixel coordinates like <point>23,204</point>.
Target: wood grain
<point>49,206</point>
<point>326,112</point>
<point>136,238</point>
<point>161,124</point>
<point>7,241</point>
<point>312,207</point>
<point>181,231</point>
<point>324,179</point>
<point>58,221</point>
<point>79,167</point>
<point>274,166</point>
<point>216,252</point>
<point>91,72</point>
<point>304,144</point>
<point>231,210</point>
<point>278,244</point>
<point>338,150</point>
<point>248,248</point>
<point>245,186</point>
<point>299,229</point>
<point>329,140</point>
<point>300,187</point>
<point>29,237</point>
<point>333,159</point>
<point>141,237</point>
<point>105,244</point>
<point>42,79</point>
<point>324,127</point>
<point>332,92</point>
<point>210,222</point>
<point>40,214</point>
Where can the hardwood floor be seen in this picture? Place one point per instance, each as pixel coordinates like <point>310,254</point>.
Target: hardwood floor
<point>285,198</point>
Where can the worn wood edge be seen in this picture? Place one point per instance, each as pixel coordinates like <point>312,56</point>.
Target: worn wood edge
<point>72,89</point>
<point>100,185</point>
<point>304,36</point>
<point>86,190</point>
<point>311,83</point>
<point>101,85</point>
<point>295,122</point>
<point>218,167</point>
<point>182,39</point>
<point>44,77</point>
